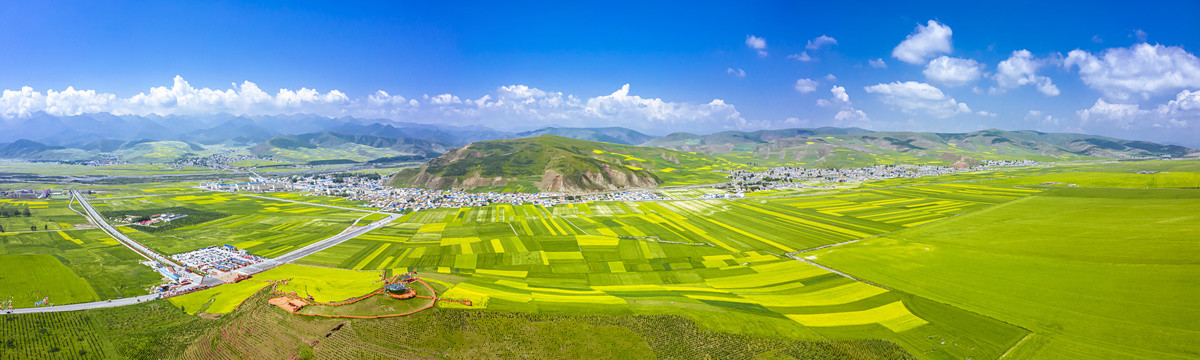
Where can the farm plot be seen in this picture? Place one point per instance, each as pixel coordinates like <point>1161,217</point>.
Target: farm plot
<point>263,227</point>
<point>44,214</point>
<point>323,284</point>
<point>717,261</point>
<point>26,280</point>
<point>107,269</point>
<point>1093,273</point>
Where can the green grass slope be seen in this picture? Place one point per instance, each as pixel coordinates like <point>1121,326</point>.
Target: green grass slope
<point>555,163</point>
<point>327,146</point>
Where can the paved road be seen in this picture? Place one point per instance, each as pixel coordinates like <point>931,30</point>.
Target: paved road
<point>82,306</point>
<point>334,240</point>
<point>95,217</point>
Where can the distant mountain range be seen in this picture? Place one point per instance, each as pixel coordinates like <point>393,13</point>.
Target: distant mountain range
<point>615,135</point>
<point>310,138</point>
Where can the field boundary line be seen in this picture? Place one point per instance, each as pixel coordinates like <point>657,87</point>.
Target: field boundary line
<point>1019,342</point>
<point>572,224</point>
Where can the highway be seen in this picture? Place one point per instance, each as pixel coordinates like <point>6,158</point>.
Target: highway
<point>317,246</point>
<point>83,306</point>
<point>98,220</point>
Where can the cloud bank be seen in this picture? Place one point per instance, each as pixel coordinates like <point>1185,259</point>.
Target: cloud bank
<point>506,107</point>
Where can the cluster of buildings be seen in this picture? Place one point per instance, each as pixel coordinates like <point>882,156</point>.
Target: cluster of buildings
<point>216,260</point>
<point>877,172</point>
<point>786,177</point>
<point>153,220</point>
<point>26,194</point>
<point>399,199</point>
<point>218,161</point>
<point>371,188</point>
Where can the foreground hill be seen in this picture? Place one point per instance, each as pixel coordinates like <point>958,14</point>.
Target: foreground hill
<point>615,135</point>
<point>560,164</point>
<point>329,146</point>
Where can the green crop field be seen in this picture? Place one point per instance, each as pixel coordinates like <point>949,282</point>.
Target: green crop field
<point>1094,273</point>
<point>323,284</point>
<point>712,260</point>
<point>263,227</point>
<point>26,279</point>
<point>81,266</point>
<point>44,214</point>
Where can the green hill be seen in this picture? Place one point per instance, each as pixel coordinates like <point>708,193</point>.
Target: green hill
<point>560,164</point>
<point>150,151</point>
<point>327,146</point>
<point>32,150</point>
<point>853,148</point>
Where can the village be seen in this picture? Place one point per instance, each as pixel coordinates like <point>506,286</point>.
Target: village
<point>794,177</point>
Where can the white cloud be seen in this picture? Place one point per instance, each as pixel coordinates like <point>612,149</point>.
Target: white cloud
<point>181,98</point>
<point>846,113</point>
<point>802,56</point>
<point>1042,118</point>
<point>926,42</point>
<point>25,102</point>
<point>805,86</point>
<point>508,106</point>
<point>877,63</point>
<point>830,78</point>
<point>1139,34</point>
<point>736,72</point>
<point>953,71</point>
<point>985,113</point>
<point>1116,115</point>
<point>758,44</point>
<point>795,121</point>
<point>1097,39</point>
<point>443,99</point>
<point>915,97</point>
<point>1021,68</point>
<point>1181,112</point>
<point>1139,70</point>
<point>819,42</point>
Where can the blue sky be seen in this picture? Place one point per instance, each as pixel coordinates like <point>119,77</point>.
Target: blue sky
<point>1098,67</point>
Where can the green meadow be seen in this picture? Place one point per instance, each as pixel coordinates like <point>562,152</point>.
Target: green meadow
<point>1093,273</point>
<point>69,266</point>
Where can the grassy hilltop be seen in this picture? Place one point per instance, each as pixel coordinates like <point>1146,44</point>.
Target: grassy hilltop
<point>555,163</point>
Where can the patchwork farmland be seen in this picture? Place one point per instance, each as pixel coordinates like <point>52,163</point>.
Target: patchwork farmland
<point>735,271</point>
<point>713,260</point>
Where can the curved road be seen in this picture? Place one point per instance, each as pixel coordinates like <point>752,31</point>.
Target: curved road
<point>133,245</point>
<point>95,217</point>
